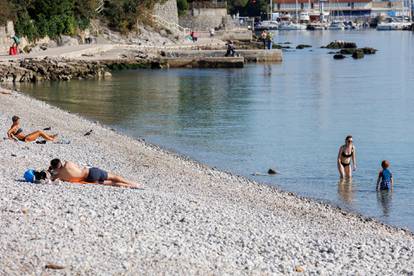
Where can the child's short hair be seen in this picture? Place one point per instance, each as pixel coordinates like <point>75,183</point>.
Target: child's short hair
<point>385,164</point>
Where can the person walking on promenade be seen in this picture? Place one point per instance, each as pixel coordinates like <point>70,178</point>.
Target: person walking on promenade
<point>346,155</point>
<point>385,180</point>
<point>16,132</point>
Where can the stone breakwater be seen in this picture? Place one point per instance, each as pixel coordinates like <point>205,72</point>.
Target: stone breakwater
<point>190,220</point>
<point>98,63</point>
<point>33,70</point>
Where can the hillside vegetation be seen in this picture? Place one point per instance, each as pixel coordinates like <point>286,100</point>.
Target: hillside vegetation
<point>38,18</point>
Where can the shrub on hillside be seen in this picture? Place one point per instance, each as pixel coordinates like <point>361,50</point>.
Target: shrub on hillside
<point>123,15</point>
<point>38,18</point>
<point>182,6</point>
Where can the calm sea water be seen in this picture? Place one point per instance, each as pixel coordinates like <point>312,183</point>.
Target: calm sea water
<point>291,116</point>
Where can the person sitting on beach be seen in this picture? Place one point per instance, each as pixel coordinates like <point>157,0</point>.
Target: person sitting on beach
<point>16,132</point>
<point>231,49</point>
<point>346,154</point>
<point>71,172</point>
<point>385,180</point>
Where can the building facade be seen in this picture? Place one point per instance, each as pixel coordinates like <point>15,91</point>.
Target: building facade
<point>339,8</point>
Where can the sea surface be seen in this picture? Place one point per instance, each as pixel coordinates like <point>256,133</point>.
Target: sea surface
<point>291,116</point>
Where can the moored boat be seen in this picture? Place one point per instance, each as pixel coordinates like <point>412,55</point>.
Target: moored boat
<point>290,26</point>
<point>267,25</point>
<point>336,26</point>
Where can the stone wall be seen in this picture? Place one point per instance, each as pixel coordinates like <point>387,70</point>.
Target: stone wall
<point>167,11</point>
<point>204,19</point>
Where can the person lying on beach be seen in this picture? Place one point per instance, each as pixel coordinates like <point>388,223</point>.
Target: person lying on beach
<point>16,133</point>
<point>71,172</point>
<point>385,180</point>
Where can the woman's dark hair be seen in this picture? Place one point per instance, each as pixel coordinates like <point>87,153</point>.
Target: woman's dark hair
<point>385,164</point>
<point>55,163</point>
<point>15,118</point>
<point>348,137</point>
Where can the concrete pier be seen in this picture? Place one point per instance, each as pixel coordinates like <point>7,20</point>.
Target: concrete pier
<point>254,55</point>
<point>204,62</point>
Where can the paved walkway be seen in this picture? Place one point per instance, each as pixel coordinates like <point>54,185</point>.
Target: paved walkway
<point>93,49</point>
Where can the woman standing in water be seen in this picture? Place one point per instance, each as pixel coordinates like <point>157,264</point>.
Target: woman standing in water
<point>346,154</point>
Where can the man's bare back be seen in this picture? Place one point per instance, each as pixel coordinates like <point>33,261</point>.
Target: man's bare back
<point>72,173</point>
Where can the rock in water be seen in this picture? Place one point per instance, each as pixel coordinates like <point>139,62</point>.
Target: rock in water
<point>340,44</point>
<point>338,56</point>
<point>358,54</point>
<point>347,51</point>
<point>369,50</point>
<point>303,46</point>
<point>271,171</point>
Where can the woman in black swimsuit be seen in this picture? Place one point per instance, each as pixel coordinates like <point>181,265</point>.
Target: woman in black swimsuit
<point>346,154</point>
<point>15,132</point>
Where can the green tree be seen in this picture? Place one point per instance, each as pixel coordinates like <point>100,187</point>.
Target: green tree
<point>250,8</point>
<point>182,6</point>
<point>25,27</point>
<point>124,14</point>
<point>237,5</point>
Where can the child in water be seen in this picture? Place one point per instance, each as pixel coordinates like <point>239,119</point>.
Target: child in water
<point>385,180</point>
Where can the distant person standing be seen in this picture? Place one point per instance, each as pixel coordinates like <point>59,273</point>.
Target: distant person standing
<point>14,49</point>
<point>263,36</point>
<point>193,36</point>
<point>88,39</point>
<point>385,180</point>
<point>269,39</point>
<point>346,155</point>
<point>16,41</point>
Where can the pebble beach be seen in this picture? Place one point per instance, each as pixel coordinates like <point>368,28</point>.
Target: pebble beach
<point>190,219</point>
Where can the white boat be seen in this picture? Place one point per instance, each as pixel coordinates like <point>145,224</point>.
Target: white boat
<point>290,26</point>
<point>336,25</point>
<point>316,26</point>
<point>393,26</point>
<point>304,17</point>
<point>267,25</point>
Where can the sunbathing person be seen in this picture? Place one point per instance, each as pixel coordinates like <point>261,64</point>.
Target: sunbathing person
<point>70,172</point>
<point>16,132</point>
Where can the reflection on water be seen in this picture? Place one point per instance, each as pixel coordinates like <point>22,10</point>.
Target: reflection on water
<point>345,190</point>
<point>384,198</point>
<point>291,116</point>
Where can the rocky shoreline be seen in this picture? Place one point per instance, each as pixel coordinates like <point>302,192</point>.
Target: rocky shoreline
<point>191,219</point>
<point>97,61</point>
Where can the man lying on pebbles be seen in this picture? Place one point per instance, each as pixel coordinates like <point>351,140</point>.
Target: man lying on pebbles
<point>71,172</point>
